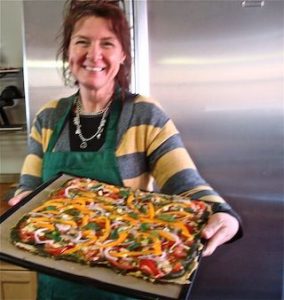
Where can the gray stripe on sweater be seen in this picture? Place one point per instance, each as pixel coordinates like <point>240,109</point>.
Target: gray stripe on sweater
<point>188,178</point>
<point>138,164</point>
<point>29,182</point>
<point>172,143</point>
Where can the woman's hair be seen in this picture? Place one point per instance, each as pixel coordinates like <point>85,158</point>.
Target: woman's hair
<point>109,10</point>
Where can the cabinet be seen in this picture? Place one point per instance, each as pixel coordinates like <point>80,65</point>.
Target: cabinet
<point>17,283</point>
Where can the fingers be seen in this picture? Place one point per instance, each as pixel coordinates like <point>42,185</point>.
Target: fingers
<point>221,228</point>
<point>13,201</point>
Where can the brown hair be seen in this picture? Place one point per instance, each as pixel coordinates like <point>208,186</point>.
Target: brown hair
<point>109,10</point>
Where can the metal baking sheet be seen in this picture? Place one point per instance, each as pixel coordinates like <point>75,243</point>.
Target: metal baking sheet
<point>100,277</point>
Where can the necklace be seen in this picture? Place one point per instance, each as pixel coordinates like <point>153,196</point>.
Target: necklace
<point>78,125</point>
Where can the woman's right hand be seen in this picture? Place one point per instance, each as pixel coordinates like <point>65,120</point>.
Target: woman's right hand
<point>13,201</point>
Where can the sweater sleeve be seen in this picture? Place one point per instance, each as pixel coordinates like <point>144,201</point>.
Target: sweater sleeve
<point>175,172</point>
<point>42,128</point>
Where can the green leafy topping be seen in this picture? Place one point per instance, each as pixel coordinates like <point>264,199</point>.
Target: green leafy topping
<point>134,246</point>
<point>92,226</point>
<point>54,235</point>
<point>133,215</point>
<point>114,234</point>
<point>124,193</point>
<point>143,209</point>
<point>168,218</point>
<point>189,209</point>
<point>96,187</point>
<point>72,212</point>
<point>145,227</point>
<point>50,207</point>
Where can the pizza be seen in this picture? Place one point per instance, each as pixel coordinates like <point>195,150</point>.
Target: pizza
<point>149,235</point>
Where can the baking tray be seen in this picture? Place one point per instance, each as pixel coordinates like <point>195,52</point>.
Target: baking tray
<point>100,277</point>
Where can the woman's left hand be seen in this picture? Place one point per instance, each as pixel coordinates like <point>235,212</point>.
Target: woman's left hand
<point>221,227</point>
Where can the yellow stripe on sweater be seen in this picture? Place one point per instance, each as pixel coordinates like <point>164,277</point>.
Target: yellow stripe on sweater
<point>136,138</point>
<point>165,133</point>
<point>49,104</point>
<point>170,164</point>
<point>43,138</point>
<point>32,165</point>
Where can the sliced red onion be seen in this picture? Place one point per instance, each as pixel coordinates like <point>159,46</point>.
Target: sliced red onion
<point>37,234</point>
<point>63,227</point>
<point>155,257</point>
<point>66,192</point>
<point>77,238</point>
<point>96,207</point>
<point>107,254</point>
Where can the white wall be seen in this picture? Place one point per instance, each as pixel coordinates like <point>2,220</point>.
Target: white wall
<point>11,46</point>
<point>13,145</point>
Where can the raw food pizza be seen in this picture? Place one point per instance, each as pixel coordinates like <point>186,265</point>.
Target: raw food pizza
<point>148,235</point>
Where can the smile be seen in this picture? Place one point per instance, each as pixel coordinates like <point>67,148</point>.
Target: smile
<point>94,69</point>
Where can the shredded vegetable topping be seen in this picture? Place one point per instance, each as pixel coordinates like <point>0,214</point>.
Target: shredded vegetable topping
<point>148,235</point>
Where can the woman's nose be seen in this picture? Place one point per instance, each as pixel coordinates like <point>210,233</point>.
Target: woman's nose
<point>94,52</point>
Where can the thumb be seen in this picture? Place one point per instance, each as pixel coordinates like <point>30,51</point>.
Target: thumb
<point>13,201</point>
<point>211,228</point>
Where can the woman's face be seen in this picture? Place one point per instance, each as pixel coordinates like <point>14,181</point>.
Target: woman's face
<point>94,54</point>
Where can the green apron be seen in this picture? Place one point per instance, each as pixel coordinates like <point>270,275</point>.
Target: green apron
<point>100,165</point>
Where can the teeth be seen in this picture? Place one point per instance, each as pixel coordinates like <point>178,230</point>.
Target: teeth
<point>94,69</point>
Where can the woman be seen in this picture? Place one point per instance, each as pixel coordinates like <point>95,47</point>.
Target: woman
<point>106,133</point>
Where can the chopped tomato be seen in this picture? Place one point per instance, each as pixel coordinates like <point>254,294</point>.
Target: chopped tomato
<point>26,236</point>
<point>167,244</point>
<point>92,255</point>
<point>122,264</point>
<point>177,267</point>
<point>180,252</point>
<point>113,195</point>
<point>149,267</point>
<point>190,228</point>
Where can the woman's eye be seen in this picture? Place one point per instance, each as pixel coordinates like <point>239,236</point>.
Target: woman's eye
<point>81,42</point>
<point>107,44</point>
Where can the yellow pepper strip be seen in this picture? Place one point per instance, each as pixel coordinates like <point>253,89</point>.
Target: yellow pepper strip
<point>67,222</point>
<point>42,207</point>
<point>106,229</point>
<point>57,200</point>
<point>89,233</point>
<point>166,235</point>
<point>53,212</point>
<point>72,250</point>
<point>85,220</point>
<point>80,200</point>
<point>178,225</point>
<point>129,201</point>
<point>122,236</point>
<point>40,219</point>
<point>126,218</point>
<point>114,189</point>
<point>44,225</point>
<point>78,207</point>
<point>151,210</point>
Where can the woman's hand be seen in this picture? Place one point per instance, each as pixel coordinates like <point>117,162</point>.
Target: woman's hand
<point>13,201</point>
<point>221,227</point>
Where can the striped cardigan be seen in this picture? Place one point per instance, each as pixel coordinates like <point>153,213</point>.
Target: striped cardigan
<point>148,147</point>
